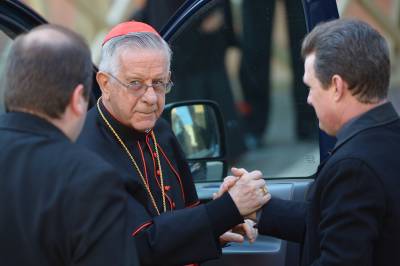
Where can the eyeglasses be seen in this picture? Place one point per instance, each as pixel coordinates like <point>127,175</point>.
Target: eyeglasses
<point>139,88</point>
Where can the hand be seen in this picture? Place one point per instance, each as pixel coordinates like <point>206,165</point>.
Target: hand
<point>229,181</point>
<point>229,236</point>
<point>248,192</point>
<point>238,232</point>
<point>247,229</point>
<point>240,172</point>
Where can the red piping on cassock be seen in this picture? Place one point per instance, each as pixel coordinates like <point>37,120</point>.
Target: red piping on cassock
<point>140,228</point>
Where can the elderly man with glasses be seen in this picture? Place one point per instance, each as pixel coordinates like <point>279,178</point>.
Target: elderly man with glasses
<point>125,128</point>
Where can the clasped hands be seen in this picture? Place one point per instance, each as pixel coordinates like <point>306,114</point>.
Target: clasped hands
<point>249,193</point>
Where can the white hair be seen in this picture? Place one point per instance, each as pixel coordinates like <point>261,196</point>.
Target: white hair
<point>137,40</point>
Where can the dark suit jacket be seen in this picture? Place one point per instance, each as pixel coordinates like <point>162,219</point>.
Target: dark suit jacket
<point>59,203</point>
<point>352,212</point>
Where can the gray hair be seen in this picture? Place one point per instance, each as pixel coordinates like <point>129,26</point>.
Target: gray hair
<point>136,40</point>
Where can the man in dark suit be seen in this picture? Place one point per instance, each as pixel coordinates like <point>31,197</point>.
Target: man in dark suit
<point>352,211</point>
<point>351,215</point>
<point>59,203</point>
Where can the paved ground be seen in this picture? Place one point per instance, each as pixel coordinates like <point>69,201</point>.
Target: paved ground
<point>282,155</point>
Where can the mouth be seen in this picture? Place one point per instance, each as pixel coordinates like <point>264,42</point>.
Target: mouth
<point>147,115</point>
<point>146,112</point>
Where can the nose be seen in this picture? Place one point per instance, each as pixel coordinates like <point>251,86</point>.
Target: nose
<point>150,96</point>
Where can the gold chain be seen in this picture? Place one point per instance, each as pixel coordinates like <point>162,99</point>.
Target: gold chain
<point>136,165</point>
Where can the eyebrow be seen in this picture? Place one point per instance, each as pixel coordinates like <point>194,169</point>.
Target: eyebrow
<point>140,77</point>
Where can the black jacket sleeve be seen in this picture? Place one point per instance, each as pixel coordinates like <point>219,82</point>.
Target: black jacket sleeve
<point>283,219</point>
<point>188,235</point>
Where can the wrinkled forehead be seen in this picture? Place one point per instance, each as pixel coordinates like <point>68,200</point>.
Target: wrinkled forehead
<point>141,53</point>
<point>146,62</point>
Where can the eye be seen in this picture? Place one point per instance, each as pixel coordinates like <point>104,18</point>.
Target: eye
<point>136,84</point>
<point>158,82</point>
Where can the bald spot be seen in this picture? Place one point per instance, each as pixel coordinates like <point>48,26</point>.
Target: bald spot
<point>45,36</point>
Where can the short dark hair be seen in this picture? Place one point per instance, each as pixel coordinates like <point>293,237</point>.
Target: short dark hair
<point>355,51</point>
<point>42,73</point>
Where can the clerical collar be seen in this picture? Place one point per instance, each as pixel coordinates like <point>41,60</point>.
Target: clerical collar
<point>124,131</point>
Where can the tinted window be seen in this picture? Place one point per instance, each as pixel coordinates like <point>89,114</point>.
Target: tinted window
<point>245,55</point>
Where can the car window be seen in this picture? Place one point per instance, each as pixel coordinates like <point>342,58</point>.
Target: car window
<point>245,55</point>
<point>5,42</point>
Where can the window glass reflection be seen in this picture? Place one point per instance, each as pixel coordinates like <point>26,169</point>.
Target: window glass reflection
<point>5,43</point>
<point>196,129</point>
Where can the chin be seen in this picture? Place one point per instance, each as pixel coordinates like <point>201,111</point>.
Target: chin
<point>143,126</point>
<point>328,131</point>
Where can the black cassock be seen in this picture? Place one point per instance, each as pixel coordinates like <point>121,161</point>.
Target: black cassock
<point>59,203</point>
<point>187,234</point>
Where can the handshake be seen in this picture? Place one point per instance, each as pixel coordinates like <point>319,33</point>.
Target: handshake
<point>249,193</point>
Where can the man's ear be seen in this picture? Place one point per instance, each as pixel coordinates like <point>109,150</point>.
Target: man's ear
<point>78,102</point>
<point>103,81</point>
<point>340,87</point>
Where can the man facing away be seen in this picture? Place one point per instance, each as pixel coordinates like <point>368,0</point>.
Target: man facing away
<point>59,203</point>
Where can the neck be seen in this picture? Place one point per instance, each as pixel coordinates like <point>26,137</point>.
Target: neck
<point>60,123</point>
<point>67,128</point>
<point>355,109</point>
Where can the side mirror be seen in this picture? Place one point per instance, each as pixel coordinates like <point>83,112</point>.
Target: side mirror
<point>198,126</point>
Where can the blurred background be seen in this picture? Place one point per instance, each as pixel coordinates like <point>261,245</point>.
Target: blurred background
<point>247,59</point>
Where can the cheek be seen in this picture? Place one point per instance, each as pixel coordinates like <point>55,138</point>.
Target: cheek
<point>325,113</point>
<point>160,106</point>
<point>125,104</point>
